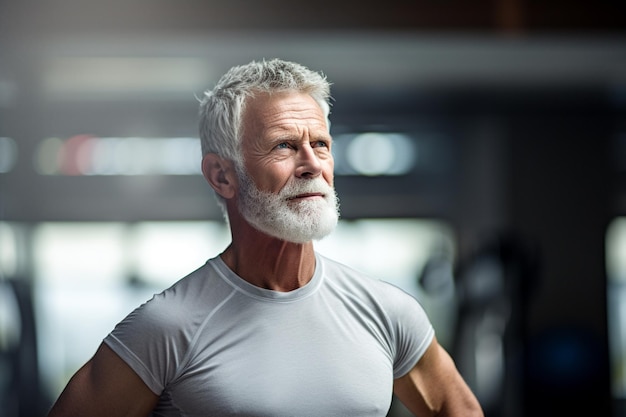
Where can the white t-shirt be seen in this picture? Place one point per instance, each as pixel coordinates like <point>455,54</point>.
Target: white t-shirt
<point>215,345</point>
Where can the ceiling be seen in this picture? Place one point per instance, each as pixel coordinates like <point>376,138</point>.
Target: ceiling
<point>133,67</point>
<point>77,49</point>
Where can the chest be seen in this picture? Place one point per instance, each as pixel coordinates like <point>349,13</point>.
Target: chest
<point>312,360</point>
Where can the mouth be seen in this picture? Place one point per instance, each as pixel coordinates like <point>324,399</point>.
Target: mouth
<point>306,196</point>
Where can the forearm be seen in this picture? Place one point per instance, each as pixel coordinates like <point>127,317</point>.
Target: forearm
<point>435,388</point>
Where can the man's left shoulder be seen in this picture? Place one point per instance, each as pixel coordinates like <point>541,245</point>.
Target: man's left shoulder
<point>356,281</point>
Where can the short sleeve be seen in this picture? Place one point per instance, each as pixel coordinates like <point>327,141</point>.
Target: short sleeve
<point>151,342</point>
<point>411,329</point>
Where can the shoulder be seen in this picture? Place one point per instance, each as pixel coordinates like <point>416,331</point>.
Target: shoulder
<point>155,338</point>
<point>361,284</point>
<point>399,315</point>
<point>394,304</point>
<point>381,298</point>
<point>179,309</point>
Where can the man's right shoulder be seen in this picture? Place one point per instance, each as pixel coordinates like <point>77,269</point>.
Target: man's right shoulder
<point>198,288</point>
<point>192,296</point>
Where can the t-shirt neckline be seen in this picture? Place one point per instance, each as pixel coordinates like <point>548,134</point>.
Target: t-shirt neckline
<point>265,294</point>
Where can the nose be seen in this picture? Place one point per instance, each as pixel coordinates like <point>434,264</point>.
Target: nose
<point>309,164</point>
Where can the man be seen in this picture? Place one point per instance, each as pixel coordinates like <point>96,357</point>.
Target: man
<point>270,327</point>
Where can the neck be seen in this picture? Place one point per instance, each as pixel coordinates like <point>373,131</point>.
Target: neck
<point>268,262</point>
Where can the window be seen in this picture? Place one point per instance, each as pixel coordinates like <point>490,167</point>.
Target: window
<point>616,300</point>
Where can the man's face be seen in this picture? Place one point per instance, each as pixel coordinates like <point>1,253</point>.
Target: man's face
<point>286,189</point>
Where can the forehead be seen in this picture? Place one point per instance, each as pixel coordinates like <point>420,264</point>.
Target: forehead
<point>267,112</point>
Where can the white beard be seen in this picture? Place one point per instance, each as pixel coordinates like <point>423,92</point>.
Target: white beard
<point>292,221</point>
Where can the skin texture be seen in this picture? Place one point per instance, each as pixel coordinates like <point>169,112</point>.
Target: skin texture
<point>435,388</point>
<point>285,135</point>
<point>105,387</point>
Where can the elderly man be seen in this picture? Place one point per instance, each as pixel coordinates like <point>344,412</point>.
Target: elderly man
<point>269,327</point>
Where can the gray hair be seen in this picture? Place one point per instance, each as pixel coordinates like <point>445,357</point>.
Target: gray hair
<point>222,108</point>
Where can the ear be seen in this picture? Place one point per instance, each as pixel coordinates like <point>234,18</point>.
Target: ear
<point>220,174</point>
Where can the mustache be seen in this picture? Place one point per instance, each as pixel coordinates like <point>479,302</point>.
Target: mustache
<point>300,186</point>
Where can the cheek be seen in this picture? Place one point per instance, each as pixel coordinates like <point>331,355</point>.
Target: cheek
<point>270,178</point>
<point>329,172</point>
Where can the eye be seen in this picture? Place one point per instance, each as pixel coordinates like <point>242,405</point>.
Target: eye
<point>320,144</point>
<point>283,145</point>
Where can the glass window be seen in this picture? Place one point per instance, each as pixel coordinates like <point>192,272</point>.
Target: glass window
<point>616,301</point>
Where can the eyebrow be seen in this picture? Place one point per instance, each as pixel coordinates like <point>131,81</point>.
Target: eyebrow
<point>287,137</point>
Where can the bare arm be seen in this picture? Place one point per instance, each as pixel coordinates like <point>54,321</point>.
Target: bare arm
<point>434,387</point>
<point>105,387</point>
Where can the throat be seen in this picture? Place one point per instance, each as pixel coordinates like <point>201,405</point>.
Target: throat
<point>284,268</point>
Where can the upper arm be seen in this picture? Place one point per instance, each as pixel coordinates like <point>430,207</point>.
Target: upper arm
<point>105,386</point>
<point>434,387</point>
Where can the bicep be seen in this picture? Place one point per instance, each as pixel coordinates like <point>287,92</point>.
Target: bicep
<point>434,387</point>
<point>105,386</point>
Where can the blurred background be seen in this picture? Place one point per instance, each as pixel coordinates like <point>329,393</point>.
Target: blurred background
<point>481,164</point>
